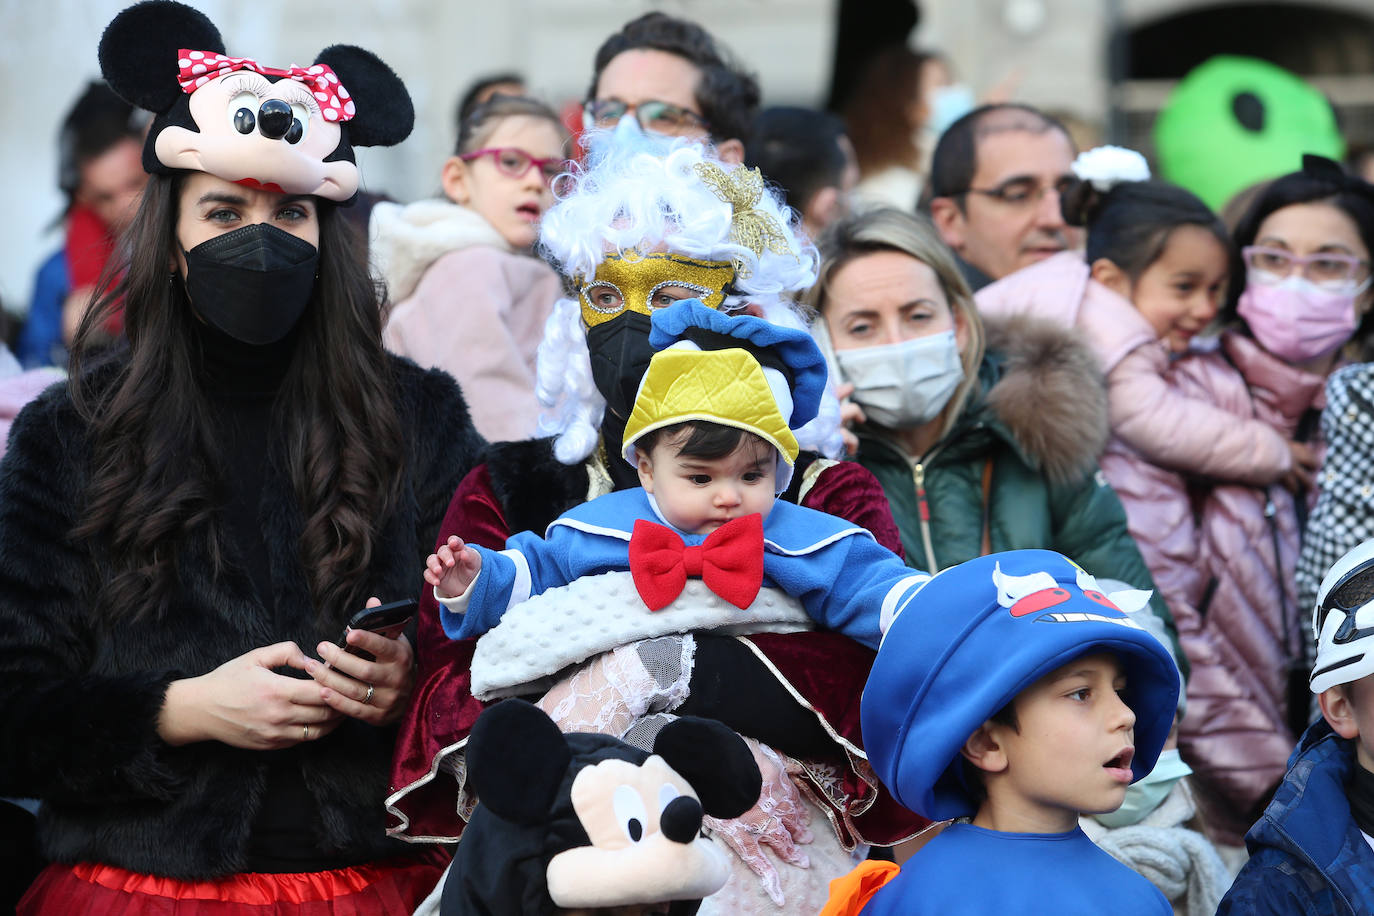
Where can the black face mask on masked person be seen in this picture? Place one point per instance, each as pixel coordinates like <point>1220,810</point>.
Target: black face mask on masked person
<point>620,354</point>
<point>253,283</point>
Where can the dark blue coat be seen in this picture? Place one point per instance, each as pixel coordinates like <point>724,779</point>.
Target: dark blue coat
<point>1307,857</point>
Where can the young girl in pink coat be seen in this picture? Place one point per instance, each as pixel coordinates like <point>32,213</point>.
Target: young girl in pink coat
<point>1204,442</point>
<point>469,297</point>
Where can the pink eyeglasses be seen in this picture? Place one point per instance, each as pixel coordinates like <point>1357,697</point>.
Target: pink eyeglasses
<point>514,162</point>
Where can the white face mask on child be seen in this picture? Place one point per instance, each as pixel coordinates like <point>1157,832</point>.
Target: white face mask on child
<point>904,384</point>
<point>1147,794</point>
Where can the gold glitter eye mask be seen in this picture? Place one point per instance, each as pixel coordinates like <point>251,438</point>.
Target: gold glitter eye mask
<point>637,278</point>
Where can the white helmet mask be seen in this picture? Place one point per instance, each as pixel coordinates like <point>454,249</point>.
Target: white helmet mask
<point>1344,629</point>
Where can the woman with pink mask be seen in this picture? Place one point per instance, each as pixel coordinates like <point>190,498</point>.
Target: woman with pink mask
<point>470,297</point>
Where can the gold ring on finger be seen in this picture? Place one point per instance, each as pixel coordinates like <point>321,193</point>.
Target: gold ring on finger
<point>305,736</point>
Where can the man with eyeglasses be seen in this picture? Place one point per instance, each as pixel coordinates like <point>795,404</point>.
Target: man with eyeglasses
<point>671,76</point>
<point>995,185</point>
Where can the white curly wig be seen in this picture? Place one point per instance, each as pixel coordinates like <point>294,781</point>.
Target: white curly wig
<point>642,193</point>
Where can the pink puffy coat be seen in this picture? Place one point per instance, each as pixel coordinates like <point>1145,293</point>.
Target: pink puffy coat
<point>1240,623</point>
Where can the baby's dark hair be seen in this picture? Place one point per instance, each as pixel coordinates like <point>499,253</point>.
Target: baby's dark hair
<point>704,440</point>
<point>1130,225</point>
<point>973,777</point>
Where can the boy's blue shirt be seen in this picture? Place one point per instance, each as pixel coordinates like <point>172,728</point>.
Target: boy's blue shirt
<point>968,869</point>
<point>839,573</point>
<point>1307,856</point>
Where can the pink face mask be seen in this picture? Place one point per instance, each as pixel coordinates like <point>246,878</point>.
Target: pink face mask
<point>1297,320</point>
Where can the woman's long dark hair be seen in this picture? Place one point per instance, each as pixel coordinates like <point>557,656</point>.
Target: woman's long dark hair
<point>152,482</point>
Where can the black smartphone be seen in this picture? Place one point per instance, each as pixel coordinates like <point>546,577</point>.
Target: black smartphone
<point>389,620</point>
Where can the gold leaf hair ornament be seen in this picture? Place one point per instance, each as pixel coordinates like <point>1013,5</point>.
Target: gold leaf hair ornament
<point>750,226</point>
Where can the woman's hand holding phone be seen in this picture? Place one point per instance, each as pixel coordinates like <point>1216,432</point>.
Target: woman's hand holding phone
<point>245,703</point>
<point>375,691</point>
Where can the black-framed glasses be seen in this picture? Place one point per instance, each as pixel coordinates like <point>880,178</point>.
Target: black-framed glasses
<point>660,117</point>
<point>1024,193</point>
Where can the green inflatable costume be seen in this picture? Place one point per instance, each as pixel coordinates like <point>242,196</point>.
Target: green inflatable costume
<point>1235,121</point>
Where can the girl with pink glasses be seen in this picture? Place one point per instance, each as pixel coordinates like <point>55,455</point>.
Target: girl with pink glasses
<point>470,297</point>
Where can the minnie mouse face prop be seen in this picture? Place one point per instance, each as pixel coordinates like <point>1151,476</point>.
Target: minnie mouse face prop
<point>290,130</point>
<point>587,821</point>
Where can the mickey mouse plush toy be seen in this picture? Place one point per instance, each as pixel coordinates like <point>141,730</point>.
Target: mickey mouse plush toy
<point>586,823</point>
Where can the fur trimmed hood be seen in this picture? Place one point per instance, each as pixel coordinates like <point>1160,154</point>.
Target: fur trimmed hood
<point>405,239</point>
<point>1049,394</point>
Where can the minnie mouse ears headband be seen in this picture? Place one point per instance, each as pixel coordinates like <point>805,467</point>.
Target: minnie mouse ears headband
<point>289,130</point>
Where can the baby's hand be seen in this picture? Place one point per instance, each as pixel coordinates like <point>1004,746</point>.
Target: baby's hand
<point>453,568</point>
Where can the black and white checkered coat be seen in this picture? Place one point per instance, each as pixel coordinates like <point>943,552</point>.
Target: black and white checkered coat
<point>1344,515</point>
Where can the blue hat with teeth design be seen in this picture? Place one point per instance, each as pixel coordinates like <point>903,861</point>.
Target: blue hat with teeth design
<point>975,636</point>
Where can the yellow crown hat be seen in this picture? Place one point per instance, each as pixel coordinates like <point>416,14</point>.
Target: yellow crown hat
<point>728,385</point>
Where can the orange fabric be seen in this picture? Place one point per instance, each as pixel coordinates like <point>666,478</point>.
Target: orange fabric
<point>850,893</point>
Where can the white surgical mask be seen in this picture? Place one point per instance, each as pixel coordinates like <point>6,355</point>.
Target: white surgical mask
<point>904,384</point>
<point>1146,795</point>
<point>947,104</point>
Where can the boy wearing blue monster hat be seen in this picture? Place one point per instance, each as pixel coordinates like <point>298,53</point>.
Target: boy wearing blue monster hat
<point>1012,695</point>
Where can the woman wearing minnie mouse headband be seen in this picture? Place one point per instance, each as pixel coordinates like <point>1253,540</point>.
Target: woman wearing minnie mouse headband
<point>195,516</point>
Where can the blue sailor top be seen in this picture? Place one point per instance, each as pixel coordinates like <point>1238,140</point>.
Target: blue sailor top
<point>844,579</point>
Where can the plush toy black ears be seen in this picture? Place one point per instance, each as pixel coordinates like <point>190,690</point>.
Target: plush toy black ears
<point>516,759</point>
<point>139,50</point>
<point>715,762</point>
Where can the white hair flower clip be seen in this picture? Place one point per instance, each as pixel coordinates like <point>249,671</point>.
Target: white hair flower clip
<point>1105,167</point>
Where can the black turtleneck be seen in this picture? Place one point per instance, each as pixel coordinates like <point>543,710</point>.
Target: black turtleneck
<point>623,475</point>
<point>241,382</point>
<point>1360,792</point>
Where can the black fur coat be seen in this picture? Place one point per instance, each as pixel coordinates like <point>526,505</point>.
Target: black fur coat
<point>79,699</point>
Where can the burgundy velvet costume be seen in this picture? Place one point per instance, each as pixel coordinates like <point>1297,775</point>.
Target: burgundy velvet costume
<point>826,669</point>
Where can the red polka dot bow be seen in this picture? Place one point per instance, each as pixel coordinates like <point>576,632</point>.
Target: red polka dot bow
<point>199,67</point>
<point>729,561</point>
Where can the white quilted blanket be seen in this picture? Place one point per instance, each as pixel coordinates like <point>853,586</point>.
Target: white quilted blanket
<point>539,638</point>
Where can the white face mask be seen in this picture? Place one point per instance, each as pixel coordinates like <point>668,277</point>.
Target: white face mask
<point>904,384</point>
<point>947,104</point>
<point>1146,795</point>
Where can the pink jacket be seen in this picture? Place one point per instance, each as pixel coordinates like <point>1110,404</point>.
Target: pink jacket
<point>1240,622</point>
<point>466,304</point>
<point>1155,420</point>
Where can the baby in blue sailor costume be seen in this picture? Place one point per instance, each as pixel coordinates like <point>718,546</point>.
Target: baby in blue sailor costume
<point>710,434</point>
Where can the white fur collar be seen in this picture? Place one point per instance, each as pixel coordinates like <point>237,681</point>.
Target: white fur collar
<point>404,240</point>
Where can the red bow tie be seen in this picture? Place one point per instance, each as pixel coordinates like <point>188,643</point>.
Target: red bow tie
<point>196,68</point>
<point>729,561</point>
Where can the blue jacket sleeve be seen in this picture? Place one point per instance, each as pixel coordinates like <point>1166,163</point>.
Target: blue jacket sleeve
<point>851,586</point>
<point>1273,885</point>
<point>530,565</point>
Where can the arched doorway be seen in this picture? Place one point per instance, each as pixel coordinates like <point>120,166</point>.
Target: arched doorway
<point>1329,45</point>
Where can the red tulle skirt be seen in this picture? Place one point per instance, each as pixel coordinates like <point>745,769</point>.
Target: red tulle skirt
<point>393,887</point>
